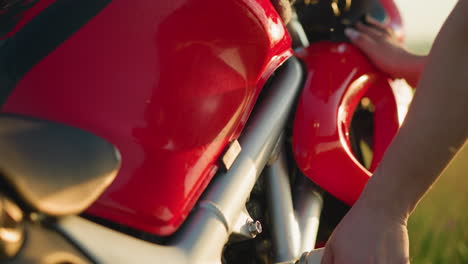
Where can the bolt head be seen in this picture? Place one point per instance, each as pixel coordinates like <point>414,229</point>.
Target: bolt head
<point>255,228</point>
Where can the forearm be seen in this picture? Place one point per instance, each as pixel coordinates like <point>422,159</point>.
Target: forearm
<point>436,126</point>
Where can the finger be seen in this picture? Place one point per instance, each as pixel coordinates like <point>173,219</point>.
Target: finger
<point>380,26</point>
<point>374,22</point>
<point>360,39</point>
<point>373,32</point>
<point>327,256</point>
<point>365,43</point>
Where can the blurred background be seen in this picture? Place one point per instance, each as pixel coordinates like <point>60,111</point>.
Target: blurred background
<point>438,228</point>
<point>422,20</point>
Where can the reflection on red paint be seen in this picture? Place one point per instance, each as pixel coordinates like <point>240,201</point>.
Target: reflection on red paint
<point>339,76</point>
<point>170,83</point>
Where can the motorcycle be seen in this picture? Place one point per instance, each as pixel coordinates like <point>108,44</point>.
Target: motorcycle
<point>219,123</point>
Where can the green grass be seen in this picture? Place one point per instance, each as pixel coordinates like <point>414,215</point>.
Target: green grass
<point>438,229</point>
<point>422,47</point>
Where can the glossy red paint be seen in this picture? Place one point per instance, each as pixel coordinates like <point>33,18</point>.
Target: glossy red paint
<point>170,83</point>
<point>339,75</point>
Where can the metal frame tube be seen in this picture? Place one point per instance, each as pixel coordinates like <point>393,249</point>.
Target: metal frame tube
<point>285,229</point>
<point>294,222</point>
<point>206,230</point>
<point>308,205</point>
<point>296,30</point>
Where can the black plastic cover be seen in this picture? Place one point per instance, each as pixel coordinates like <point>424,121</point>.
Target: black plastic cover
<point>55,169</point>
<point>327,19</point>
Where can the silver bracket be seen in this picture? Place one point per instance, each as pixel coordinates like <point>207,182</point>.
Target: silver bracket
<point>231,154</point>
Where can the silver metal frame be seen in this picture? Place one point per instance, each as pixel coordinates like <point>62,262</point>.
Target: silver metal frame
<point>295,221</point>
<point>205,232</point>
<point>308,205</point>
<point>298,35</point>
<point>285,229</point>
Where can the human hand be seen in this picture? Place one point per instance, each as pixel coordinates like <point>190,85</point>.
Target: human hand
<point>368,236</point>
<point>380,44</point>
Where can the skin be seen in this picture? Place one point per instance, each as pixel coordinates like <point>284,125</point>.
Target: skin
<point>380,44</point>
<point>436,127</point>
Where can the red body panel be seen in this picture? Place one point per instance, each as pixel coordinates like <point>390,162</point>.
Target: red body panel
<point>339,75</point>
<point>170,83</point>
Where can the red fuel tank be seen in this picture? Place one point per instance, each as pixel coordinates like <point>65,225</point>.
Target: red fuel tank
<point>169,82</point>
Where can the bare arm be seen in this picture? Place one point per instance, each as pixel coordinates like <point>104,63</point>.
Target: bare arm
<point>436,127</point>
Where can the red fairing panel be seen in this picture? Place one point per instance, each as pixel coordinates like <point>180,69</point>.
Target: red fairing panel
<point>170,83</point>
<point>339,76</point>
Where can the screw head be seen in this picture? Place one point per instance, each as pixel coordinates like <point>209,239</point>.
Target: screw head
<point>255,228</point>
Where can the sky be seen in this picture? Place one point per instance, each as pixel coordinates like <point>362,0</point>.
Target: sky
<point>423,18</point>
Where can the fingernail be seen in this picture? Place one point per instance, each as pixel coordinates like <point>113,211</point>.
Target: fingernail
<point>351,33</point>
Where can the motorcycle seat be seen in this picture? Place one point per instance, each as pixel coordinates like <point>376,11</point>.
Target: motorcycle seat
<point>53,168</point>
